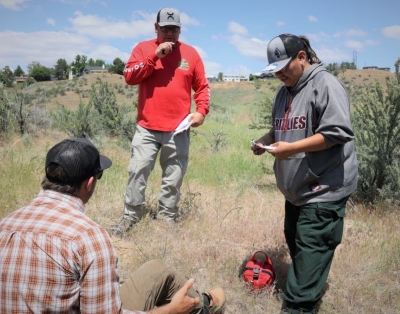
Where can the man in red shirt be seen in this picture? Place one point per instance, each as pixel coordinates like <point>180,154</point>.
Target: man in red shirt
<point>55,259</point>
<point>166,71</point>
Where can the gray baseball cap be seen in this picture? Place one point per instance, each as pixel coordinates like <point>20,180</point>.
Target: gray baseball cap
<point>281,49</point>
<point>168,16</point>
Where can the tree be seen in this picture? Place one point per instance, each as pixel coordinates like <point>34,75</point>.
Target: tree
<point>7,76</point>
<point>79,64</point>
<point>32,65</point>
<point>220,76</point>
<point>40,73</point>
<point>18,71</point>
<point>60,69</point>
<point>97,63</point>
<point>343,67</point>
<point>333,68</point>
<point>118,66</point>
<point>91,62</point>
<point>378,140</point>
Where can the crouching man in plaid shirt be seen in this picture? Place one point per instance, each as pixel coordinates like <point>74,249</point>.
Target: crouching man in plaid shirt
<point>55,259</point>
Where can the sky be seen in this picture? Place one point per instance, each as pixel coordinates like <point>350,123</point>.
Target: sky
<point>230,36</point>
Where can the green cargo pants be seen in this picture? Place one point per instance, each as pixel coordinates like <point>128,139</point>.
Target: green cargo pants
<point>312,232</point>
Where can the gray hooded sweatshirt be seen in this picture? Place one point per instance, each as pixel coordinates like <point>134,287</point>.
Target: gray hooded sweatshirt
<point>319,104</point>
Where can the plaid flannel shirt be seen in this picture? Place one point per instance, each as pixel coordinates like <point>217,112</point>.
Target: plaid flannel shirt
<point>55,259</point>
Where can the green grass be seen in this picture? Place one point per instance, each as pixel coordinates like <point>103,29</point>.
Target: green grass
<point>21,172</point>
<point>232,209</point>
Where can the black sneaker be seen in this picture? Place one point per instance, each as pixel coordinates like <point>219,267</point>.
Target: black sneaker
<point>216,301</point>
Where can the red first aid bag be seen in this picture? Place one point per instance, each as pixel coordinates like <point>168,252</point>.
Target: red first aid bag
<point>259,271</point>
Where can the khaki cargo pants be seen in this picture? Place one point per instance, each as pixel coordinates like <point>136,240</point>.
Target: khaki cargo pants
<point>174,155</point>
<point>152,285</point>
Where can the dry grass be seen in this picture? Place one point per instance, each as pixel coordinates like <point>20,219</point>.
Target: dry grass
<point>223,226</point>
<point>361,77</point>
<point>220,231</point>
<point>71,98</point>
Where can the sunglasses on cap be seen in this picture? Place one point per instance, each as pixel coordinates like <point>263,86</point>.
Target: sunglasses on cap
<point>99,175</point>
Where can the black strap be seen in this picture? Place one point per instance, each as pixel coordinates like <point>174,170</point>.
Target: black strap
<point>265,271</point>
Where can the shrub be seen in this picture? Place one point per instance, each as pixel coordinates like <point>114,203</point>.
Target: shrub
<point>21,111</point>
<point>77,124</point>
<point>262,121</point>
<point>376,119</point>
<point>7,118</point>
<point>116,120</point>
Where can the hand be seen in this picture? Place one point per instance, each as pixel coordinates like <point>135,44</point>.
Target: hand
<point>181,303</point>
<point>283,150</point>
<point>257,150</point>
<point>164,48</point>
<point>197,119</point>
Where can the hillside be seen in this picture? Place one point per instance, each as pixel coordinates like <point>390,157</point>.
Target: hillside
<point>127,94</point>
<point>361,77</point>
<point>230,199</point>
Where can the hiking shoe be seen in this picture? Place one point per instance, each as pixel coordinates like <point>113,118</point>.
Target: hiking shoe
<point>122,228</point>
<point>217,300</point>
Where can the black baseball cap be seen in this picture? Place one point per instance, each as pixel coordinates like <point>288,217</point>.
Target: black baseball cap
<point>79,159</point>
<point>281,49</point>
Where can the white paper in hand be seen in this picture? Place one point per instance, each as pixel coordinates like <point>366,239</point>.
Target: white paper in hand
<point>266,147</point>
<point>184,125</point>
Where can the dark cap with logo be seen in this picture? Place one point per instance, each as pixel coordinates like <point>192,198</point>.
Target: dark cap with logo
<point>281,49</point>
<point>168,16</point>
<point>79,159</point>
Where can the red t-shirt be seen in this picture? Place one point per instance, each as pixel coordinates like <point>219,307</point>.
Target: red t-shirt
<point>165,85</point>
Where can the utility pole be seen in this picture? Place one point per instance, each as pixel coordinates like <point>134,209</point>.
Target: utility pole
<point>355,58</point>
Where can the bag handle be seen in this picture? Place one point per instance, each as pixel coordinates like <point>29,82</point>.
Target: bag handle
<point>260,256</point>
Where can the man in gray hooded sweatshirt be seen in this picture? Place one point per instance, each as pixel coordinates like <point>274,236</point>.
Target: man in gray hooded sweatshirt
<point>315,165</point>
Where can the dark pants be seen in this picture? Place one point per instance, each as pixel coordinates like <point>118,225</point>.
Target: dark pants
<point>312,232</point>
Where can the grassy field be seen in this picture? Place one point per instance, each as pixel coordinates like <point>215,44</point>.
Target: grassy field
<point>232,209</point>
